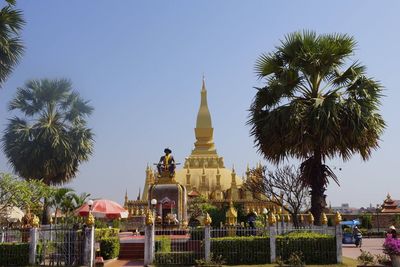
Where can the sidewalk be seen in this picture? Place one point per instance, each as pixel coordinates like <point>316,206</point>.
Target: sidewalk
<point>373,245</point>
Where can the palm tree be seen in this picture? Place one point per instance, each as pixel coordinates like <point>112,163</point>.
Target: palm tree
<point>315,106</point>
<point>11,47</point>
<point>58,199</point>
<point>52,139</point>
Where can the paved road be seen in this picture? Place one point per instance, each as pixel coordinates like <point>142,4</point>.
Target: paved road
<point>373,245</point>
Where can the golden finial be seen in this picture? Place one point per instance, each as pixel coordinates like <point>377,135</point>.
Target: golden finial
<point>149,217</point>
<point>301,219</point>
<point>310,218</point>
<point>280,210</point>
<point>35,221</point>
<point>278,217</point>
<point>184,224</point>
<point>271,218</point>
<point>207,219</point>
<point>90,220</point>
<point>324,219</point>
<point>338,218</point>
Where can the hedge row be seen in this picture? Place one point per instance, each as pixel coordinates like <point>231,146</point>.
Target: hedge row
<point>316,248</point>
<point>109,247</point>
<point>14,254</point>
<point>101,233</point>
<point>242,250</point>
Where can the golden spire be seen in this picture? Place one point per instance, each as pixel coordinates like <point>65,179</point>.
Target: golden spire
<point>204,144</point>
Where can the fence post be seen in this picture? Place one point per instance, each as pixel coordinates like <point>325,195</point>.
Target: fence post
<point>149,246</point>
<point>338,231</point>
<point>89,246</point>
<point>33,233</point>
<point>272,236</point>
<point>339,243</point>
<point>207,243</point>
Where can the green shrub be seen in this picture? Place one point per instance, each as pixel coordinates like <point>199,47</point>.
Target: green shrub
<point>14,254</point>
<point>242,250</point>
<point>163,244</point>
<point>315,248</point>
<point>176,258</point>
<point>102,233</point>
<point>109,248</point>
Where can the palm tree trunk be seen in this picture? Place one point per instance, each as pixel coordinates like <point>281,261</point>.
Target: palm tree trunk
<point>317,188</point>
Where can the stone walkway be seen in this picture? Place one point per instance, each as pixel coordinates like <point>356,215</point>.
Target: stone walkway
<point>373,245</point>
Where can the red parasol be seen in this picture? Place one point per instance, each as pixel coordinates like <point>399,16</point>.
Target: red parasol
<point>103,208</point>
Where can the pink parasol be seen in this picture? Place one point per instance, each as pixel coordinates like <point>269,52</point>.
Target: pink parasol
<point>103,208</point>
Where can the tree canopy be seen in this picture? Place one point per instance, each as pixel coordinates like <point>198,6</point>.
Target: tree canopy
<point>316,104</point>
<point>51,138</point>
<point>11,47</point>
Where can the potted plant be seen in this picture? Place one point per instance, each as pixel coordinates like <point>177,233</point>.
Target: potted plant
<point>391,247</point>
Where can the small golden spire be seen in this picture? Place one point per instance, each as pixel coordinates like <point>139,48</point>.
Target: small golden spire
<point>149,217</point>
<point>310,218</point>
<point>324,219</point>
<point>271,218</point>
<point>207,219</point>
<point>338,218</point>
<point>35,221</point>
<point>90,220</point>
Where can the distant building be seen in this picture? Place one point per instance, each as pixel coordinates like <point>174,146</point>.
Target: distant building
<point>345,209</point>
<point>390,205</point>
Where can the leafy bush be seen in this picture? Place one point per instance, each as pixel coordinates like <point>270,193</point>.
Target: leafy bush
<point>14,254</point>
<point>296,259</point>
<point>366,258</point>
<point>176,258</point>
<point>242,250</point>
<point>316,248</point>
<point>109,248</point>
<point>366,221</point>
<point>102,233</point>
<point>163,244</point>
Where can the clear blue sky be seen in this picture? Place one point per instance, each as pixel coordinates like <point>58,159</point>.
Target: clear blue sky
<point>140,64</point>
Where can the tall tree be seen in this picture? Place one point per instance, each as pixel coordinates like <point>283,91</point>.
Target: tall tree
<point>52,138</point>
<point>11,47</point>
<point>315,105</point>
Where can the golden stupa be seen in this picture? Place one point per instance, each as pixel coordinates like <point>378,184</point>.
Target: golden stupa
<point>204,172</point>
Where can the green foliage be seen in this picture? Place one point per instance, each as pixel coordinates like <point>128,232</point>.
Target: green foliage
<point>163,244</point>
<point>11,47</point>
<point>109,247</point>
<point>296,259</point>
<point>315,105</point>
<point>366,221</point>
<point>316,248</point>
<point>14,254</point>
<point>116,223</point>
<point>366,258</point>
<point>242,250</point>
<point>214,261</point>
<point>176,258</point>
<point>102,233</point>
<point>48,138</point>
<point>15,192</point>
<point>217,215</point>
